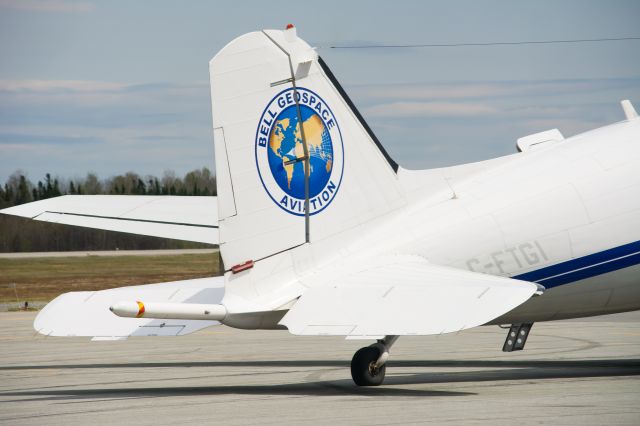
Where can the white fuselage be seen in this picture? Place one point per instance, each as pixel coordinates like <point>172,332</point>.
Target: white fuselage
<point>566,216</point>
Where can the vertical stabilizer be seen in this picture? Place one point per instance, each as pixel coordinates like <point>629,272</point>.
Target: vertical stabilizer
<point>287,136</point>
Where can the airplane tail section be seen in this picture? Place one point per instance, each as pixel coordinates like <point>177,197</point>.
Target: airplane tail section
<point>295,161</point>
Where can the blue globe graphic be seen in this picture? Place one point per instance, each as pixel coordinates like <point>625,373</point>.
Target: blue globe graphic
<point>285,144</point>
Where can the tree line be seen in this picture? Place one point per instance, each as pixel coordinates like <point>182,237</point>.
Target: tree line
<point>18,189</point>
<point>18,234</point>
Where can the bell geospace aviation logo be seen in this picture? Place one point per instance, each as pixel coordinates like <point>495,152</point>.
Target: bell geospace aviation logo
<point>280,151</point>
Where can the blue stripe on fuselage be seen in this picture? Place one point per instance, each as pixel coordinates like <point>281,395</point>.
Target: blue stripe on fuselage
<point>585,267</point>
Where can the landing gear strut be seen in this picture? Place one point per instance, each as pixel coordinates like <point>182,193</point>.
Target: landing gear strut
<point>368,364</point>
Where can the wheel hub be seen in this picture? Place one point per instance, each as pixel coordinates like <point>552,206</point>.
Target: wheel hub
<point>373,370</point>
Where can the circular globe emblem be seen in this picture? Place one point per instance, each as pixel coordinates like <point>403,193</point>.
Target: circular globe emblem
<point>280,151</point>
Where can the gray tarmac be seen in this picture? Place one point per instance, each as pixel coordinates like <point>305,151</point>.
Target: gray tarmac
<point>572,372</point>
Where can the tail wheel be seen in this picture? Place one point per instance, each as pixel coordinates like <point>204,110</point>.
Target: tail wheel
<point>363,367</point>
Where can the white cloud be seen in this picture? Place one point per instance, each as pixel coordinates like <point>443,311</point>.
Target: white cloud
<point>59,85</point>
<point>47,5</point>
<point>94,94</point>
<point>428,91</point>
<point>429,109</point>
<point>472,90</point>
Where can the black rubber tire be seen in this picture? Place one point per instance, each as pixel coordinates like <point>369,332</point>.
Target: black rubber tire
<point>362,370</point>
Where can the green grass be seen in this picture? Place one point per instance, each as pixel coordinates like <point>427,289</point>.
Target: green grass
<point>42,279</point>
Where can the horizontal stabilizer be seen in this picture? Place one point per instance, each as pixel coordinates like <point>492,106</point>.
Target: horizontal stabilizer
<point>404,295</point>
<point>180,218</point>
<point>86,313</point>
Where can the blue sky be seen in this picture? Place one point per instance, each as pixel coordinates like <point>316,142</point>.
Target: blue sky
<point>114,86</point>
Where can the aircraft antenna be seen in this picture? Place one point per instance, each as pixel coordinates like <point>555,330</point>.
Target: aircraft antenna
<point>476,44</point>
